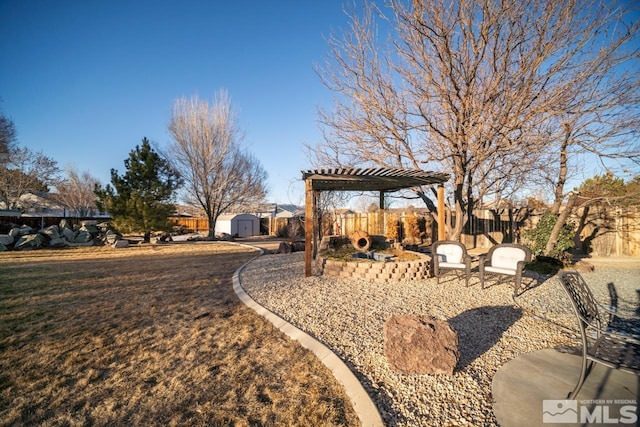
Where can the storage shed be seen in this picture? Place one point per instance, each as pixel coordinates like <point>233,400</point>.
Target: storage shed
<point>240,225</point>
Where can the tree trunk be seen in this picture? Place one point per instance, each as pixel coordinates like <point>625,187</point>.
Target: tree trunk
<point>147,237</point>
<point>580,245</point>
<point>560,222</point>
<point>562,173</point>
<point>212,227</point>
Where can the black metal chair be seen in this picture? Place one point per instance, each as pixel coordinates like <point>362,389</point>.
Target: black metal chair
<point>600,343</point>
<point>505,259</point>
<point>450,255</point>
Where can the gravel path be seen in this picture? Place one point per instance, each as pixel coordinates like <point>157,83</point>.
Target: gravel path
<point>348,315</point>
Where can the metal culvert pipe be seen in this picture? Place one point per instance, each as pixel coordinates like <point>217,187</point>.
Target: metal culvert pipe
<point>361,240</point>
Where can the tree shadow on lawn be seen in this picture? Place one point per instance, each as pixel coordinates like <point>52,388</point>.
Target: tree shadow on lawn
<point>473,341</point>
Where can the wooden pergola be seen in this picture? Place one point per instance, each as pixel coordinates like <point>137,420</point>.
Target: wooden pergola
<point>383,180</point>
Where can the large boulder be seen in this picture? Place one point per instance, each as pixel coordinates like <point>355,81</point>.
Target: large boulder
<point>69,234</point>
<point>16,232</point>
<point>120,244</point>
<point>420,345</point>
<point>57,242</point>
<point>284,248</point>
<point>83,237</point>
<point>6,239</point>
<point>30,241</point>
<point>110,237</point>
<point>89,228</point>
<point>52,232</point>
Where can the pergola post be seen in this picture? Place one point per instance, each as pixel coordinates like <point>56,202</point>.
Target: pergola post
<point>309,221</point>
<point>381,215</point>
<point>442,232</point>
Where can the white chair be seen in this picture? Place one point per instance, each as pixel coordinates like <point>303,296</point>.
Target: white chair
<point>505,259</point>
<point>450,255</point>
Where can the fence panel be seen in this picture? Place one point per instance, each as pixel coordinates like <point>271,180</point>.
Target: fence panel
<point>604,231</point>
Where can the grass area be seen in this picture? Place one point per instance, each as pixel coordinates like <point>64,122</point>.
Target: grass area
<point>149,335</point>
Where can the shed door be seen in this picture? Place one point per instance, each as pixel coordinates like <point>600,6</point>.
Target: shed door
<point>245,228</point>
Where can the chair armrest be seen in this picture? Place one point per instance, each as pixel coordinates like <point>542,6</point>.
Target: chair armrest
<point>483,260</point>
<point>520,265</point>
<point>467,260</point>
<point>627,336</point>
<point>625,313</point>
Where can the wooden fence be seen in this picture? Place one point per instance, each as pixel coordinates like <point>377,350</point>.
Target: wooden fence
<point>196,225</point>
<point>602,231</point>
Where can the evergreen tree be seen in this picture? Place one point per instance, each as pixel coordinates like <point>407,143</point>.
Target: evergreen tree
<point>140,200</point>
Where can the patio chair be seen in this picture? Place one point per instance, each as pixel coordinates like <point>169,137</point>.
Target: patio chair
<point>450,255</point>
<point>505,259</point>
<point>600,343</point>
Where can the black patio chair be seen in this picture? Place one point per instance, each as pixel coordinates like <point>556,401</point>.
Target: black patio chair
<point>450,255</point>
<point>600,343</point>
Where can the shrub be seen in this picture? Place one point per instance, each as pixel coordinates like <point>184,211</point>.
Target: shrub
<point>538,237</point>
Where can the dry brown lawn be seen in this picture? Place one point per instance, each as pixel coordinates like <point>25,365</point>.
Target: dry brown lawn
<point>150,335</point>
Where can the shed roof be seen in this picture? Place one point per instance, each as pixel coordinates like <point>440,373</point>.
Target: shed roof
<point>371,179</point>
<point>232,216</point>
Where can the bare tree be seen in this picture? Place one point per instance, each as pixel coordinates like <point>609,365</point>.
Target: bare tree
<point>474,88</point>
<point>76,192</point>
<point>26,171</point>
<point>206,150</point>
<point>7,139</point>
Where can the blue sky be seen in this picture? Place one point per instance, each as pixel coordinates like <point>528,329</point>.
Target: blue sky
<point>85,81</point>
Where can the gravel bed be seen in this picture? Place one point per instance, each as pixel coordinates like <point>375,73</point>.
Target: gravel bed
<point>348,316</point>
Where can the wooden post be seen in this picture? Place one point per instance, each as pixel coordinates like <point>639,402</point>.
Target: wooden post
<point>381,224</point>
<point>309,220</point>
<point>442,232</point>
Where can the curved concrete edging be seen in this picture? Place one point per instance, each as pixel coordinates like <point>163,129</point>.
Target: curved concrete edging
<point>361,401</point>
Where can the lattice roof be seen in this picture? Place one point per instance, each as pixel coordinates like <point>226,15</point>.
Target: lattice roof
<point>371,179</point>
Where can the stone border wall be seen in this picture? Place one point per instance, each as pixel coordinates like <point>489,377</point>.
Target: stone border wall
<point>370,270</point>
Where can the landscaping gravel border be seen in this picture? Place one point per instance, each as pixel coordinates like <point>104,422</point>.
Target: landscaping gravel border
<point>347,315</point>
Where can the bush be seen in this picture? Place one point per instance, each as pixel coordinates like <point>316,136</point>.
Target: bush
<point>538,237</point>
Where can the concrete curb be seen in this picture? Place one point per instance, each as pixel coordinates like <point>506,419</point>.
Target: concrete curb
<point>362,404</point>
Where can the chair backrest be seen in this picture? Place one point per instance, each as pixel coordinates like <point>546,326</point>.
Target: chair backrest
<point>582,300</point>
<point>508,256</point>
<point>450,252</point>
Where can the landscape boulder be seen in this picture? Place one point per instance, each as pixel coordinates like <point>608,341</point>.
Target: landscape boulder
<point>69,234</point>
<point>6,239</point>
<point>284,248</point>
<point>121,244</point>
<point>52,232</point>
<point>83,237</point>
<point>30,241</point>
<point>110,237</point>
<point>89,228</point>
<point>57,242</point>
<point>420,345</point>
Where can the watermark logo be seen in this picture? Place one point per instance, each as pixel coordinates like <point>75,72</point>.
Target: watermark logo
<point>614,411</point>
<point>559,411</point>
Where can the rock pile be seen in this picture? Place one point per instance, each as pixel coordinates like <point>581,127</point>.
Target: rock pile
<point>87,233</point>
